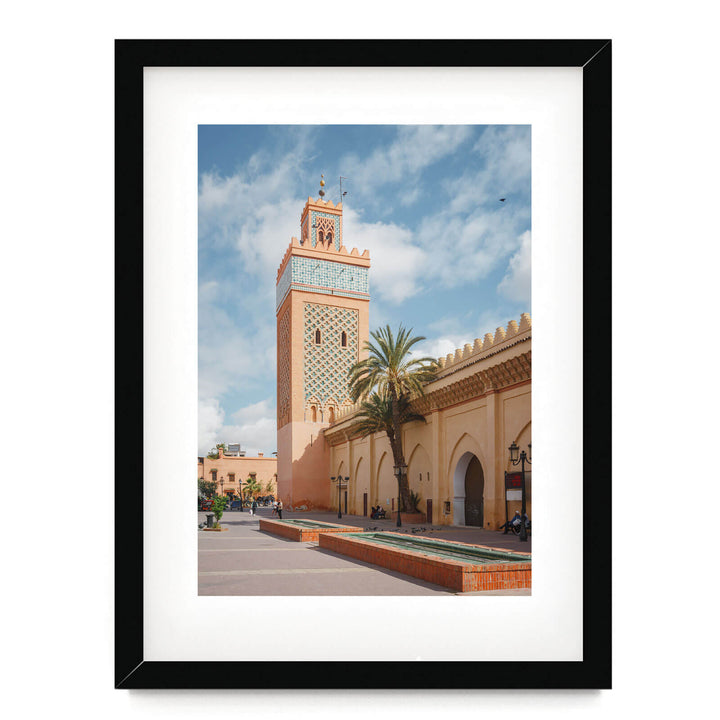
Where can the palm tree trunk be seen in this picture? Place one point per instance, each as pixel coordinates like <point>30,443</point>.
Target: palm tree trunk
<point>398,456</point>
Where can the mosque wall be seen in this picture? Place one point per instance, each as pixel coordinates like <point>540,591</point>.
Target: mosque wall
<point>478,406</point>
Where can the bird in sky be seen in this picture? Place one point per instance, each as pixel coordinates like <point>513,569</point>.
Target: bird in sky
<point>502,199</point>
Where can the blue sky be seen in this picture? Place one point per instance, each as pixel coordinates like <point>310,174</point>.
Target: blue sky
<point>447,257</point>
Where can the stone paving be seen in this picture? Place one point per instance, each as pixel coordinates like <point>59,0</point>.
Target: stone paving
<point>245,561</point>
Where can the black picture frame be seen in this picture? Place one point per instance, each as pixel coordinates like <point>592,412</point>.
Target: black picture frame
<point>132,671</point>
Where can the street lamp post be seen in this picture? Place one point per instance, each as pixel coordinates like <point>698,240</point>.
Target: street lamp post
<point>222,484</point>
<point>399,471</point>
<point>339,482</point>
<point>515,460</point>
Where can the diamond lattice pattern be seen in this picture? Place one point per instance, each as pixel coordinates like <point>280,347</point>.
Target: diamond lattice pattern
<point>283,369</point>
<point>327,364</point>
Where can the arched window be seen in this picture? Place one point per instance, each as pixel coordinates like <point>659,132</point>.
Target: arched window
<point>331,415</point>
<point>320,237</point>
<point>313,413</point>
<point>329,239</point>
<point>317,336</point>
<point>343,339</point>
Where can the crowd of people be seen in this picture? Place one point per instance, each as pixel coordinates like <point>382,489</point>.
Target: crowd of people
<point>277,507</point>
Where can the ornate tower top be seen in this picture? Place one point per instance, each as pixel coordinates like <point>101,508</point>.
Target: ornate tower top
<point>319,262</point>
<point>321,224</point>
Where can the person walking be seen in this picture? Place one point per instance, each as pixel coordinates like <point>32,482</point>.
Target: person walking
<point>279,509</point>
<point>274,506</point>
<point>253,507</point>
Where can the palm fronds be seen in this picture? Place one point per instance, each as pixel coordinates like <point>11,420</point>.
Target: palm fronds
<point>389,366</point>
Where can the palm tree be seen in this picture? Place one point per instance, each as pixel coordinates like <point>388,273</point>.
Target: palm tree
<point>393,377</point>
<point>252,487</point>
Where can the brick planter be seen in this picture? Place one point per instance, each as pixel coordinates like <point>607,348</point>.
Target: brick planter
<point>303,534</point>
<point>458,575</point>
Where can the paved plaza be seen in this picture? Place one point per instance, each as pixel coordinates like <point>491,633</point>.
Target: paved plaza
<point>245,561</point>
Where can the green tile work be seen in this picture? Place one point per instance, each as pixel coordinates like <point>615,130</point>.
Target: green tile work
<point>326,365</point>
<point>327,277</point>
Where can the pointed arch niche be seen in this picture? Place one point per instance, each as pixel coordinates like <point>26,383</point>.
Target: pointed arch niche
<point>419,472</point>
<point>468,482</point>
<point>468,491</point>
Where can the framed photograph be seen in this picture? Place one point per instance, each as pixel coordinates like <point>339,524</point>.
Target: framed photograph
<point>267,194</point>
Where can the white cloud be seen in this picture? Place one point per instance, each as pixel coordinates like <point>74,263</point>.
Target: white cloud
<point>396,262</point>
<point>505,170</point>
<point>250,413</point>
<point>517,281</point>
<point>250,212</point>
<point>234,216</point>
<point>210,420</point>
<point>254,427</point>
<point>439,347</point>
<point>229,355</point>
<point>411,196</point>
<point>415,148</point>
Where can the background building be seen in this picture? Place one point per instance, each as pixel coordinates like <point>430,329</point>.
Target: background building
<point>230,471</point>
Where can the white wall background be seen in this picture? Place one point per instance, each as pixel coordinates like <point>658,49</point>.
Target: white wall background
<point>56,291</point>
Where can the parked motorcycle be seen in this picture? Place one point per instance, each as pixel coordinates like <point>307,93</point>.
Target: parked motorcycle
<point>516,528</point>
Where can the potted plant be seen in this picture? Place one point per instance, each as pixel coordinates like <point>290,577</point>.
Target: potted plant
<point>218,507</point>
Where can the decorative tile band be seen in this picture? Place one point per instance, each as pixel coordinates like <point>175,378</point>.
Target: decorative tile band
<point>328,277</point>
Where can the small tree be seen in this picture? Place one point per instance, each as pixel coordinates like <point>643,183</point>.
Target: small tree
<point>206,488</point>
<point>218,507</point>
<point>415,499</point>
<point>214,454</point>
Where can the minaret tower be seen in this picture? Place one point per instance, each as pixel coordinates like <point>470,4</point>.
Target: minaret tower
<point>322,323</point>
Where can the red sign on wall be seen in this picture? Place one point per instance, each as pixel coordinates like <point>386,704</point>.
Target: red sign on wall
<point>513,481</point>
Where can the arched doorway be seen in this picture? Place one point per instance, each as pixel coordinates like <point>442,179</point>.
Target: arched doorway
<point>474,490</point>
<point>468,491</point>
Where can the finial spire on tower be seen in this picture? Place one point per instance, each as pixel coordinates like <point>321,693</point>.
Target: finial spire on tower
<point>322,185</point>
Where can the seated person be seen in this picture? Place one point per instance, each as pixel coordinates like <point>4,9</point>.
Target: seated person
<point>513,521</point>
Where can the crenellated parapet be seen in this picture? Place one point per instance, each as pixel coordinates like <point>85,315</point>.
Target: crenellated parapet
<point>489,345</point>
<point>311,202</point>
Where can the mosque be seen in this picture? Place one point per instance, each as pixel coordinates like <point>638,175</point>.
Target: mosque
<point>479,404</point>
